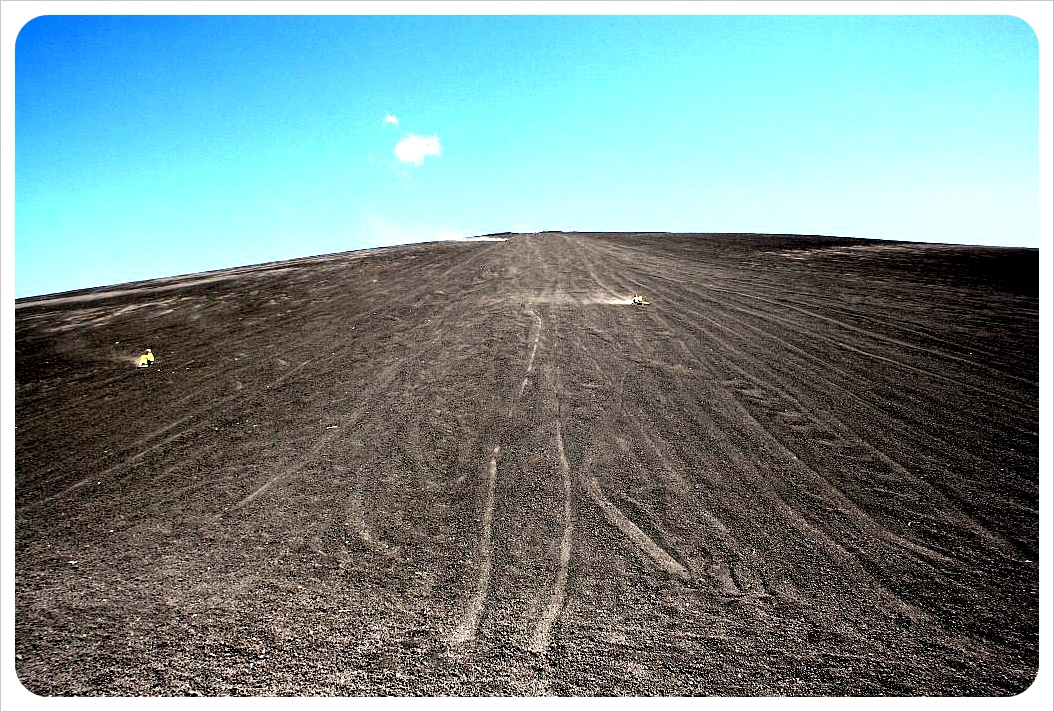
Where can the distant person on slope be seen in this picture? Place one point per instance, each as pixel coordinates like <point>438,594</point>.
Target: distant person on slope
<point>146,359</point>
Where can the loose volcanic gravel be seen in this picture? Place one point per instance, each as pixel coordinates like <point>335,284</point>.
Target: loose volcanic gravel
<point>809,467</point>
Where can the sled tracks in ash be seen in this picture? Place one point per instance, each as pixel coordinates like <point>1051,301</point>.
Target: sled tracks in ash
<point>470,623</point>
<point>542,633</point>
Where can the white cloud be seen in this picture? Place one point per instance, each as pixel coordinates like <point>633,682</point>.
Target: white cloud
<point>414,148</point>
<point>389,119</point>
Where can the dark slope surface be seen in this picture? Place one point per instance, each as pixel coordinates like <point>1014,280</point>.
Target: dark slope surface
<point>809,467</point>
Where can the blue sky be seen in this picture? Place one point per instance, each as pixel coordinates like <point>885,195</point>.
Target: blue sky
<point>154,146</point>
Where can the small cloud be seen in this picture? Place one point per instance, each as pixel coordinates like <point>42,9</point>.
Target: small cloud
<point>389,119</point>
<point>414,148</point>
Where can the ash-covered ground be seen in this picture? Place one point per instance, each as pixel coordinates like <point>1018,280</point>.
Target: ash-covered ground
<point>809,466</point>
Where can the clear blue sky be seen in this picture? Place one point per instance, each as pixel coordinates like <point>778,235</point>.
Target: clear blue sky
<point>154,146</point>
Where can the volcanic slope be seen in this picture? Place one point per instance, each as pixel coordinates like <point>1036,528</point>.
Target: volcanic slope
<point>809,467</point>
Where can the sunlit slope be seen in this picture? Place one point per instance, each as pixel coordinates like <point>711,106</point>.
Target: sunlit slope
<point>809,466</point>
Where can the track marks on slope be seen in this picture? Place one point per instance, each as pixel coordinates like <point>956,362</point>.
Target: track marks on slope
<point>543,628</point>
<point>208,410</point>
<point>820,427</point>
<point>817,425</point>
<point>950,351</point>
<point>830,493</point>
<point>791,418</point>
<point>204,403</point>
<point>466,630</point>
<point>121,465</point>
<point>660,272</point>
<point>534,338</point>
<point>470,623</point>
<point>615,516</point>
<point>619,520</point>
<point>380,384</point>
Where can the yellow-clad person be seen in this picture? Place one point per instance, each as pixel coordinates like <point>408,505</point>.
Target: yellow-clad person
<point>146,359</point>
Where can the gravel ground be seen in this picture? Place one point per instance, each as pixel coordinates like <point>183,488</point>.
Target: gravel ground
<point>809,467</point>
